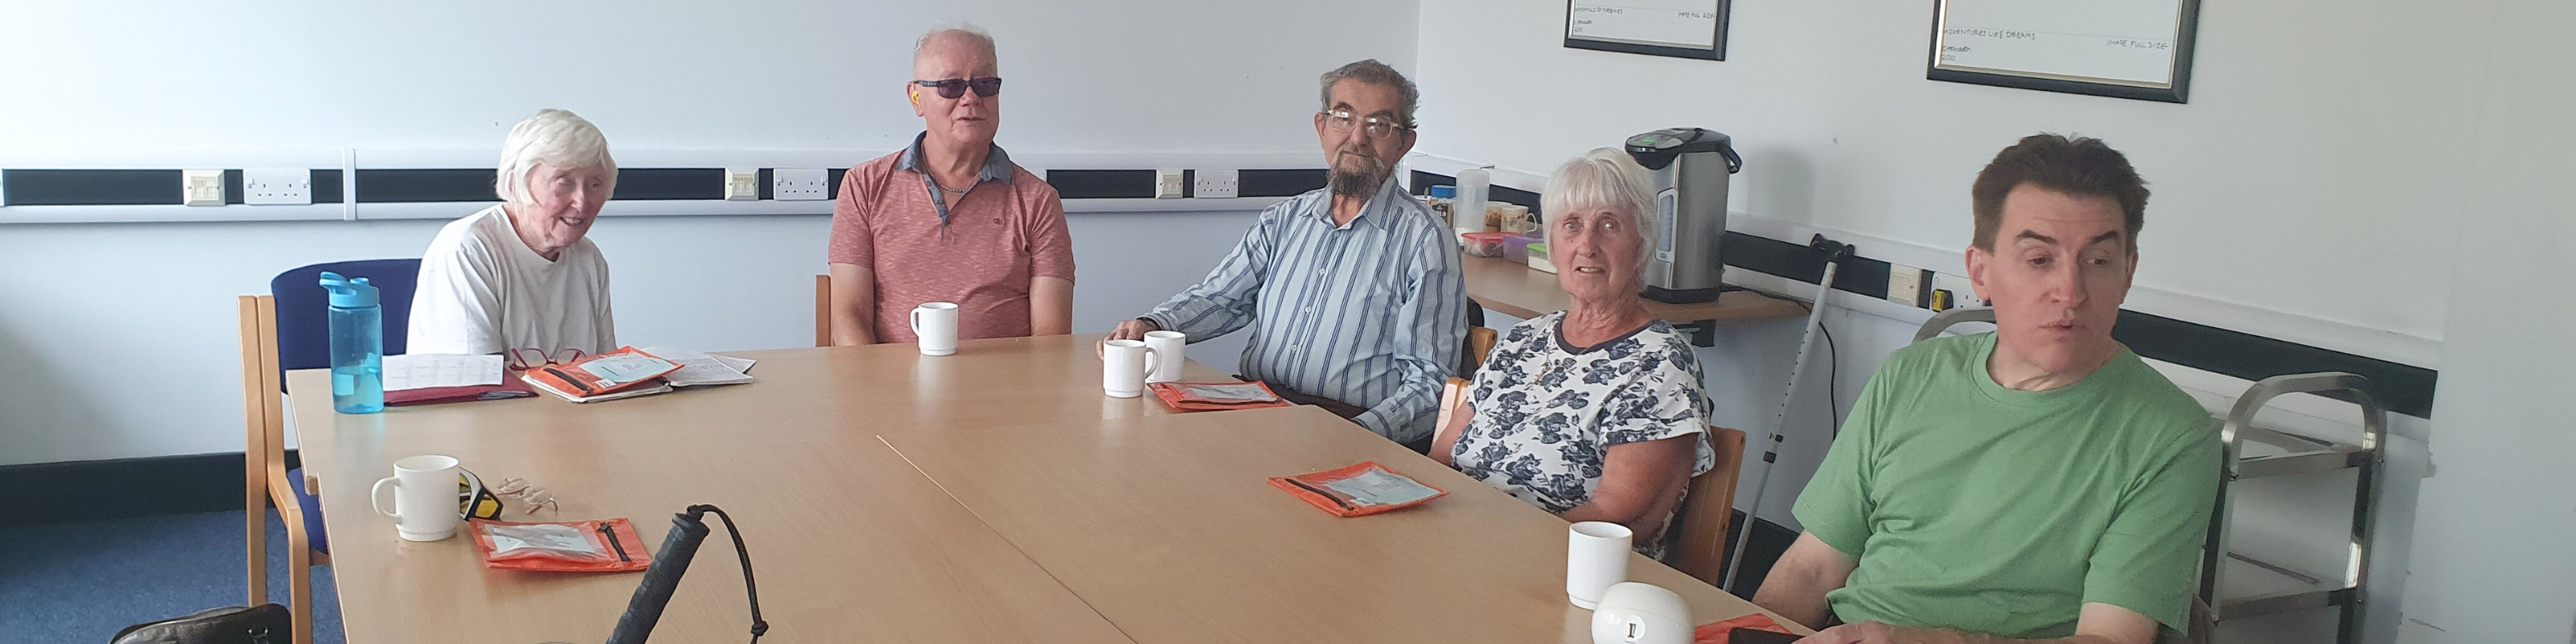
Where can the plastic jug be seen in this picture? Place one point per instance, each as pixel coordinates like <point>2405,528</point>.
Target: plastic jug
<point>1467,212</point>
<point>357,346</point>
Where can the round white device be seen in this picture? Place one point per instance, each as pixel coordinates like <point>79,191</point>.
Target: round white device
<point>1635,613</point>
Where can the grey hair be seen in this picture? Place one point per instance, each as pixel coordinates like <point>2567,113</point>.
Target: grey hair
<point>1376,73</point>
<point>1604,178</point>
<point>982,40</point>
<point>553,138</point>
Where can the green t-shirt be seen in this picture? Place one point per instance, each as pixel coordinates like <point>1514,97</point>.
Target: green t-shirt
<point>1989,510</point>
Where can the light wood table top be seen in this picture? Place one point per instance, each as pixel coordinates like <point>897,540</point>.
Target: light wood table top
<point>1168,527</point>
<point>845,536</point>
<point>1514,289</point>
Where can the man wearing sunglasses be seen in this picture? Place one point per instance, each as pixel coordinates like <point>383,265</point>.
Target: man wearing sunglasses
<point>1353,291</point>
<point>950,219</point>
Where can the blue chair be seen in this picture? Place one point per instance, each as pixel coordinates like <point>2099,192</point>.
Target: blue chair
<point>290,329</point>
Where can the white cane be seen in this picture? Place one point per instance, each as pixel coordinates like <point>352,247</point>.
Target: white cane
<point>1835,253</point>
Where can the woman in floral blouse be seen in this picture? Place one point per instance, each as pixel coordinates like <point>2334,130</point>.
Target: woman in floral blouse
<point>1595,413</point>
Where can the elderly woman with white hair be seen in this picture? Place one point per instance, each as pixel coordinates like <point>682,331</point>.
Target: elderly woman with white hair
<point>1595,413</point>
<point>521,275</point>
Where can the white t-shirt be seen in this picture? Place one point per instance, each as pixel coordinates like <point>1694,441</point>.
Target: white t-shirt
<point>482,290</point>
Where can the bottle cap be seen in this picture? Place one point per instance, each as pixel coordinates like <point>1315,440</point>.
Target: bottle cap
<point>349,293</point>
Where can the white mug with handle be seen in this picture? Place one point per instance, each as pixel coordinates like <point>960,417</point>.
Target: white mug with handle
<point>425,503</point>
<point>1167,347</point>
<point>935,324</point>
<point>1123,365</point>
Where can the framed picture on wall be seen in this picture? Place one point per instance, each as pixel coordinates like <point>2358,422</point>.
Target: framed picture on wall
<point>1677,28</point>
<point>2138,49</point>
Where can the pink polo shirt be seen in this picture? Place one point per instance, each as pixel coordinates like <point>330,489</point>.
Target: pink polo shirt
<point>1007,230</point>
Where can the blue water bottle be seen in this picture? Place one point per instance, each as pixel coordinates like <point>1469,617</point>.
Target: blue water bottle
<point>357,346</point>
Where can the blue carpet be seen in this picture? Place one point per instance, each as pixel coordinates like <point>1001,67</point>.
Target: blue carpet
<point>81,582</point>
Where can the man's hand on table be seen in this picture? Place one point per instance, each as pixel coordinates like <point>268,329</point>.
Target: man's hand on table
<point>1881,633</point>
<point>1128,330</point>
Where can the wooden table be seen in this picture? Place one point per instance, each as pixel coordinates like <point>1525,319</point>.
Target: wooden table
<point>852,542</point>
<point>1514,289</point>
<point>1169,528</point>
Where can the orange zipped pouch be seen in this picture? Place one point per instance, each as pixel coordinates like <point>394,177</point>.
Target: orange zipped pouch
<point>573,546</point>
<point>1358,491</point>
<point>1216,396</point>
<point>603,374</point>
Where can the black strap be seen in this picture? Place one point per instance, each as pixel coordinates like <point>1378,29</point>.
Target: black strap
<point>759,626</point>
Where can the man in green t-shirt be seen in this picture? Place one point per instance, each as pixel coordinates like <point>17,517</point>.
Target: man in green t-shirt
<point>2037,482</point>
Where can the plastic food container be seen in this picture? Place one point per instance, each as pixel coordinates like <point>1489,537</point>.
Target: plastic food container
<point>1516,247</point>
<point>1483,244</point>
<point>1538,258</point>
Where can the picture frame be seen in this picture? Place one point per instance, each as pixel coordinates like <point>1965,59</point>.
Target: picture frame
<point>2133,49</point>
<point>1650,27</point>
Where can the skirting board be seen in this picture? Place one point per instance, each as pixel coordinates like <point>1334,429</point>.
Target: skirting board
<point>120,488</point>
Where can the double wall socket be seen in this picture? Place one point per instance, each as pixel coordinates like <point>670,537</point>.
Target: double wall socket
<point>800,184</point>
<point>277,186</point>
<point>1215,184</point>
<point>201,187</point>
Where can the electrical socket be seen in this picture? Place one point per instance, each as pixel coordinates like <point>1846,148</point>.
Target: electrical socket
<point>742,184</point>
<point>800,184</point>
<point>1215,184</point>
<point>1905,285</point>
<point>277,186</point>
<point>1168,184</point>
<point>201,187</point>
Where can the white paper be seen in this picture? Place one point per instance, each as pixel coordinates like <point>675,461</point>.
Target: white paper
<point>1688,24</point>
<point>699,368</point>
<point>2129,41</point>
<point>425,370</point>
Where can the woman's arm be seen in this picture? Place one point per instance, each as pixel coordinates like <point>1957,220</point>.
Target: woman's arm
<point>1641,482</point>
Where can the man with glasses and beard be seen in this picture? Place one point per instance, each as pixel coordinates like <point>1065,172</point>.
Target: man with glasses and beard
<point>950,218</point>
<point>1353,292</point>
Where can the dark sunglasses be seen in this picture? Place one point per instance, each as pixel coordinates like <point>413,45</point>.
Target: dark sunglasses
<point>955,87</point>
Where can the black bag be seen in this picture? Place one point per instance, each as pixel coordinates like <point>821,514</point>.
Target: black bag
<point>262,624</point>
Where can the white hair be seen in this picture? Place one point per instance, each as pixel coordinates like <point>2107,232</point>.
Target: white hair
<point>552,138</point>
<point>973,34</point>
<point>1605,178</point>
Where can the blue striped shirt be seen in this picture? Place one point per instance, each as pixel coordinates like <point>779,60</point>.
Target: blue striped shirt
<point>1370,314</point>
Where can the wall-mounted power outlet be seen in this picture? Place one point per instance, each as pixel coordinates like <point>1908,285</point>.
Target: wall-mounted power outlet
<point>1168,184</point>
<point>1905,285</point>
<point>800,184</point>
<point>742,184</point>
<point>201,187</point>
<point>1215,184</point>
<point>277,186</point>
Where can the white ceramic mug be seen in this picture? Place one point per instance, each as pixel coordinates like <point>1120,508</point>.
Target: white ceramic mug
<point>1167,348</point>
<point>1123,365</point>
<point>935,323</point>
<point>425,503</point>
<point>1596,557</point>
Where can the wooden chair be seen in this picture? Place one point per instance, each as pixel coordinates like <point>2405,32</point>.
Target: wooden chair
<point>823,310</point>
<point>1699,545</point>
<point>264,469</point>
<point>289,329</point>
<point>1480,344</point>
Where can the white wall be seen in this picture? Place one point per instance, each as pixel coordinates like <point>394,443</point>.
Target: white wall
<point>118,340</point>
<point>2493,562</point>
<point>2315,175</point>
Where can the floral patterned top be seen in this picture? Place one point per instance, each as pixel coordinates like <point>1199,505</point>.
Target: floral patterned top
<point>1547,413</point>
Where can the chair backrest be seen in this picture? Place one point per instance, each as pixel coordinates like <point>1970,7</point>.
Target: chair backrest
<point>1480,343</point>
<point>1953,317</point>
<point>303,320</point>
<point>823,310</point>
<point>1453,398</point>
<point>1700,547</point>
